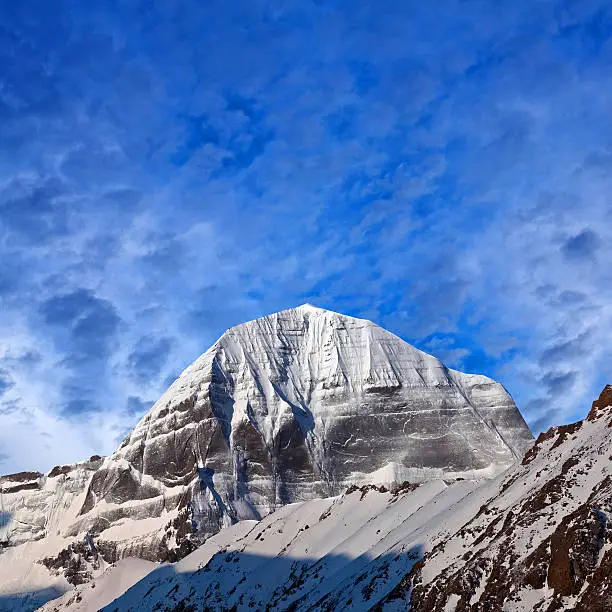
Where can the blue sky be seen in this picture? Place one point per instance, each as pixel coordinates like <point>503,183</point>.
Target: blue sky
<point>171,168</point>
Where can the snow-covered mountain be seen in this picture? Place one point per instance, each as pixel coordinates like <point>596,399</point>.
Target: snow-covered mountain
<point>543,541</point>
<point>537,537</point>
<point>298,405</point>
<point>291,407</point>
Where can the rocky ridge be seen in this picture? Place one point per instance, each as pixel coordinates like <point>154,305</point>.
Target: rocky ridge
<point>544,542</point>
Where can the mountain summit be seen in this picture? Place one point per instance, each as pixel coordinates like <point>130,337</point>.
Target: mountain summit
<point>301,404</point>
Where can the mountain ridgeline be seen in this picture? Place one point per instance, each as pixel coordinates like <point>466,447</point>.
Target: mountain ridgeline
<point>536,538</point>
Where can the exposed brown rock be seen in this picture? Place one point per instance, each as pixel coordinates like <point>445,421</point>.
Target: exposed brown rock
<point>21,477</point>
<point>531,454</point>
<point>563,431</point>
<point>575,548</point>
<point>365,489</point>
<point>405,487</point>
<point>597,597</point>
<point>58,470</point>
<point>599,405</point>
<point>569,464</point>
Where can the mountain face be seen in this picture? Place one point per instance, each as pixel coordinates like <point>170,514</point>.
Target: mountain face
<point>298,405</point>
<point>536,538</point>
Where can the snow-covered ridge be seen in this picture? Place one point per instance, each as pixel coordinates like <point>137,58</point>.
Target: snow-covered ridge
<point>38,512</point>
<point>325,550</point>
<point>543,541</point>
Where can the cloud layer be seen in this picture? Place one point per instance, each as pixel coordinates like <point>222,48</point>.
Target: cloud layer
<point>170,169</point>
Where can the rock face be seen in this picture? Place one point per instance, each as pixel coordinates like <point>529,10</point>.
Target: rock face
<point>27,496</point>
<point>36,516</point>
<point>301,404</point>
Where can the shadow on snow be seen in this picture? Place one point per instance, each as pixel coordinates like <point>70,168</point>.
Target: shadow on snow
<point>245,581</point>
<point>27,602</point>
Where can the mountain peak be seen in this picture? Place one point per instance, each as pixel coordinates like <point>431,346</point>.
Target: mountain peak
<point>307,306</point>
<point>602,405</point>
<point>300,404</point>
<point>294,320</point>
<point>294,406</point>
<point>303,311</point>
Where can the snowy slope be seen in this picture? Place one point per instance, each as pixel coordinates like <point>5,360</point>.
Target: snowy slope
<point>327,550</point>
<point>537,537</point>
<point>542,542</point>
